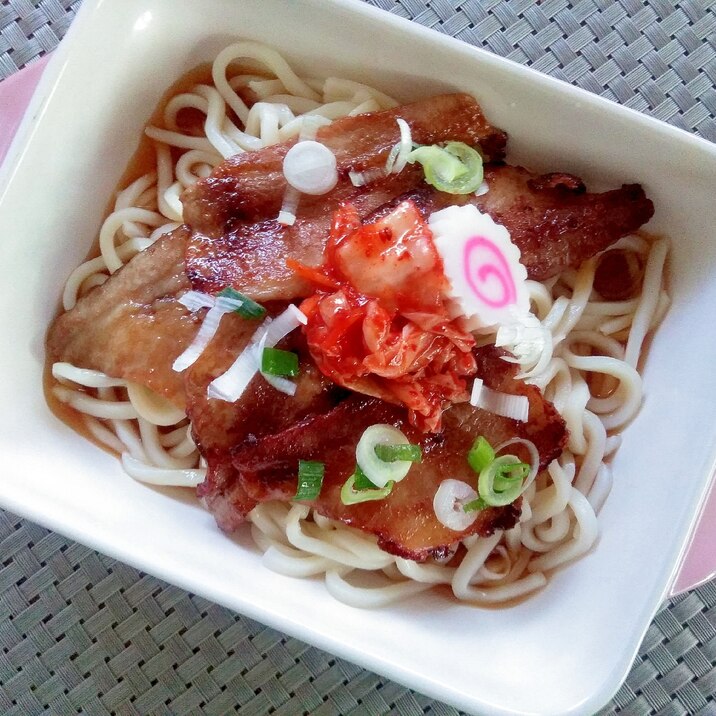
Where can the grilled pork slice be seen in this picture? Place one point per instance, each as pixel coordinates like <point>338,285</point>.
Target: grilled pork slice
<point>251,185</point>
<point>404,522</point>
<point>132,326</point>
<point>251,255</point>
<point>218,426</point>
<point>552,219</point>
<point>236,239</point>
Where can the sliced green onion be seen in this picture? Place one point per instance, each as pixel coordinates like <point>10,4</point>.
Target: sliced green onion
<point>362,482</point>
<point>481,454</point>
<point>274,361</point>
<point>475,505</point>
<point>351,496</point>
<point>455,168</point>
<point>437,162</point>
<point>248,307</point>
<point>310,479</point>
<point>500,483</point>
<point>508,475</point>
<point>378,471</point>
<point>391,453</point>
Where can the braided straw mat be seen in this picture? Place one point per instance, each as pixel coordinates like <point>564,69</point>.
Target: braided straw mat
<point>80,632</point>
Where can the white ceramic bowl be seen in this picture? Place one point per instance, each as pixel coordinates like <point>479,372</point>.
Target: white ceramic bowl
<point>565,650</point>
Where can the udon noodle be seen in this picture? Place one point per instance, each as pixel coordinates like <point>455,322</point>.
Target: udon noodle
<point>588,368</point>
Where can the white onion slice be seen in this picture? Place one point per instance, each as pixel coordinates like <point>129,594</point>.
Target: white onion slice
<point>281,384</point>
<point>366,177</point>
<point>395,163</point>
<point>515,407</point>
<point>230,385</point>
<point>207,330</point>
<point>283,324</point>
<point>525,337</point>
<point>379,472</point>
<point>287,215</point>
<point>228,304</point>
<point>194,300</point>
<point>476,390</point>
<point>449,501</point>
<point>310,168</point>
<point>398,157</point>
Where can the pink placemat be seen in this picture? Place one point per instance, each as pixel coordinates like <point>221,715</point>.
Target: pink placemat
<point>699,564</point>
<point>15,94</point>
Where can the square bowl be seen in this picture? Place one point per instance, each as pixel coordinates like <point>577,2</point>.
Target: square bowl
<point>566,649</point>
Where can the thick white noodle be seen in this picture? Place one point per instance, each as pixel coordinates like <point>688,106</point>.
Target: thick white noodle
<point>310,538</point>
<point>335,88</point>
<point>156,454</point>
<point>83,403</point>
<point>177,139</point>
<point>152,407</point>
<point>76,284</point>
<point>103,434</point>
<point>428,573</point>
<point>153,475</point>
<point>370,597</point>
<point>648,301</point>
<point>294,563</point>
<point>601,487</point>
<point>588,367</point>
<point>585,534</point>
<point>67,373</point>
<point>194,165</point>
<point>113,223</point>
<point>266,56</point>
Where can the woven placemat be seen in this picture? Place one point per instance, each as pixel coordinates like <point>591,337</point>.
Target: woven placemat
<point>80,632</point>
<point>30,28</point>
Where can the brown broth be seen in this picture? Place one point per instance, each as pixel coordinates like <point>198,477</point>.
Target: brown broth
<point>143,160</point>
